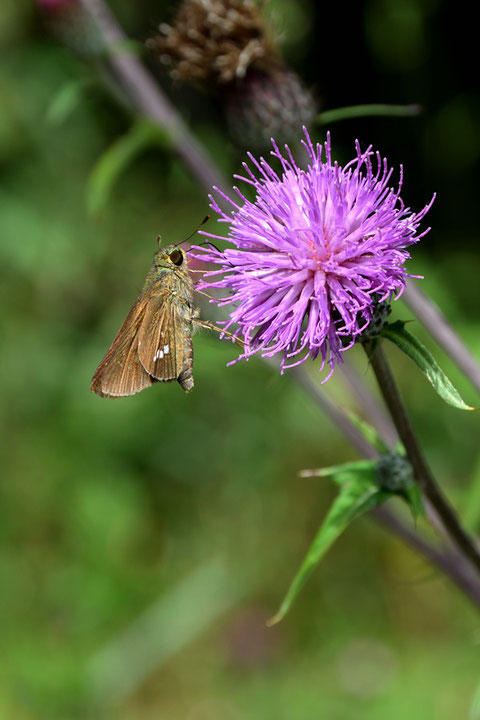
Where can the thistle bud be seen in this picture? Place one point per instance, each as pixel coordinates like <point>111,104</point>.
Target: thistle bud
<point>380,313</point>
<point>228,46</point>
<point>394,472</point>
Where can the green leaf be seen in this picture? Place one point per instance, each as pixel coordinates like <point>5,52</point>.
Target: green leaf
<point>368,432</point>
<point>471,500</point>
<point>474,713</point>
<point>355,111</point>
<point>356,471</point>
<point>118,157</point>
<point>413,497</point>
<point>64,102</point>
<point>353,500</point>
<point>411,346</point>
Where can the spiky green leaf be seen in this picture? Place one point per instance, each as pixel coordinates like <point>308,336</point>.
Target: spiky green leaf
<point>368,432</point>
<point>357,471</point>
<point>354,499</point>
<point>413,497</point>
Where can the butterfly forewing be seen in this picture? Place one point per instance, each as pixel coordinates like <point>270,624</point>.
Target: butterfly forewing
<point>121,373</point>
<point>161,339</point>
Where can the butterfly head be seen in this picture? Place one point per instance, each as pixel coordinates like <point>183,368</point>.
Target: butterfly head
<point>171,256</point>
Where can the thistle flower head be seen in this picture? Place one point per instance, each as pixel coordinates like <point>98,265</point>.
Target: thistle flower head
<point>312,254</point>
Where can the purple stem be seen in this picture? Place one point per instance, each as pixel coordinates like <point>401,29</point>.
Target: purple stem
<point>379,418</point>
<point>450,563</point>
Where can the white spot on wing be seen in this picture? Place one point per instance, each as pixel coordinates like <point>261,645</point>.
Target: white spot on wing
<point>158,355</point>
<point>166,349</point>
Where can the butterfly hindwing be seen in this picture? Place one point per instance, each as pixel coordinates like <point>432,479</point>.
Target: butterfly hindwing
<point>121,373</point>
<point>161,339</point>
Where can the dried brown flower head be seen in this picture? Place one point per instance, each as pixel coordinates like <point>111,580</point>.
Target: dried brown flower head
<point>228,45</point>
<point>216,41</point>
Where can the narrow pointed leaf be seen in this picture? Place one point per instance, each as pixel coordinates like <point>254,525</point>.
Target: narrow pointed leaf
<point>352,501</point>
<point>64,102</point>
<point>413,497</point>
<point>346,472</point>
<point>368,432</point>
<point>411,346</point>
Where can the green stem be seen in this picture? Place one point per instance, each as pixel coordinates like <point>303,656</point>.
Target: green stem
<point>355,111</point>
<point>423,475</point>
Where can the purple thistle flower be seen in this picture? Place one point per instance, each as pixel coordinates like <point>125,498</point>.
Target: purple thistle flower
<point>313,253</point>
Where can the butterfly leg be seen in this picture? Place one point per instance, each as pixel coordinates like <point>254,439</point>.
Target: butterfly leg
<point>200,292</point>
<point>210,326</point>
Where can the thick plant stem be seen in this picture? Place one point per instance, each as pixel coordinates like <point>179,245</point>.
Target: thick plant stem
<point>446,514</point>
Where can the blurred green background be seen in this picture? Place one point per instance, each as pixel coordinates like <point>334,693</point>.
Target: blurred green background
<point>144,543</point>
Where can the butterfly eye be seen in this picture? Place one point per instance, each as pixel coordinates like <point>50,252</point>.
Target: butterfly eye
<point>176,257</point>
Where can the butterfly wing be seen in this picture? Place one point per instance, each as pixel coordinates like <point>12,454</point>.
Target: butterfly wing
<point>121,373</point>
<point>161,338</point>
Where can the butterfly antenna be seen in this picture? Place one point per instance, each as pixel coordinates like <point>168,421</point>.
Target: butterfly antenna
<point>205,219</point>
<point>208,242</point>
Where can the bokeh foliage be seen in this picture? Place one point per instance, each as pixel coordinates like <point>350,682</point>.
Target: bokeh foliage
<point>144,542</point>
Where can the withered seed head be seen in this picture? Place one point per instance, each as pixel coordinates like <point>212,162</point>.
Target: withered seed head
<point>263,106</point>
<point>216,41</point>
